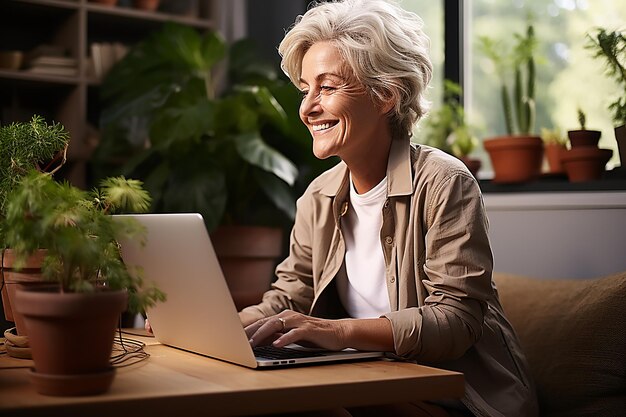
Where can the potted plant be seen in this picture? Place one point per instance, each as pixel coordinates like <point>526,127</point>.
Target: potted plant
<point>445,128</point>
<point>611,47</point>
<point>71,324</point>
<point>584,161</point>
<point>582,136</point>
<point>554,144</point>
<point>25,145</point>
<point>516,157</point>
<point>210,147</point>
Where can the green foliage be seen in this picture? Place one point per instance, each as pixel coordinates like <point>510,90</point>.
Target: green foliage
<point>197,149</point>
<point>80,237</point>
<point>553,136</point>
<point>24,146</point>
<point>517,62</point>
<point>611,47</point>
<point>582,118</point>
<point>445,128</point>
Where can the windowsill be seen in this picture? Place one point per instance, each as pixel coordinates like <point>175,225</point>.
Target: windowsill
<point>614,180</point>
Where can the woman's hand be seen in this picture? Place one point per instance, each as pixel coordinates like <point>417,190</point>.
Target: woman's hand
<point>291,327</point>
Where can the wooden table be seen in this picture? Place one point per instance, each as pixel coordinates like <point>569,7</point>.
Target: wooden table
<point>178,383</point>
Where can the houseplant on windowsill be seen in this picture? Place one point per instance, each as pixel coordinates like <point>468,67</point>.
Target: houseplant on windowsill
<point>611,47</point>
<point>554,144</point>
<point>445,128</point>
<point>24,146</point>
<point>71,323</point>
<point>516,157</point>
<point>584,161</point>
<point>202,149</point>
<point>583,136</point>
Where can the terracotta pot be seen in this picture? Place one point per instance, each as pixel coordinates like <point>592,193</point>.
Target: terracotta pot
<point>248,256</point>
<point>620,137</point>
<point>553,155</point>
<point>28,276</point>
<point>149,5</point>
<point>71,338</point>
<point>473,164</point>
<point>578,138</point>
<point>515,159</point>
<point>585,163</point>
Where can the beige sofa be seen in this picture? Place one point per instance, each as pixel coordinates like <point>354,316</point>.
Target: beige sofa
<point>574,335</point>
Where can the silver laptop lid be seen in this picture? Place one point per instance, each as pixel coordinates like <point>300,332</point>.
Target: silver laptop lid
<point>199,314</point>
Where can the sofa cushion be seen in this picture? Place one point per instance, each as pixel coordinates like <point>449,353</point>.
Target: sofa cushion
<point>574,335</point>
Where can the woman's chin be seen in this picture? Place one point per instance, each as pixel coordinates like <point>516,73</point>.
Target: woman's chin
<point>322,153</point>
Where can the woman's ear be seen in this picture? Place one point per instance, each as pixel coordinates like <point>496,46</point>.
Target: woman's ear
<point>387,104</point>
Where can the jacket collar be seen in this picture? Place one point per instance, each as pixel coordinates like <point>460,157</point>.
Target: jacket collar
<point>399,173</point>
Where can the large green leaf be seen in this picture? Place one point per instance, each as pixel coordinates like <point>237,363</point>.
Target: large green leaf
<point>186,122</point>
<point>253,149</point>
<point>270,107</point>
<point>197,191</point>
<point>278,192</point>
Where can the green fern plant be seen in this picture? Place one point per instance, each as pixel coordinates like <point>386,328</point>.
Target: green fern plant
<point>610,46</point>
<point>79,235</point>
<point>24,146</point>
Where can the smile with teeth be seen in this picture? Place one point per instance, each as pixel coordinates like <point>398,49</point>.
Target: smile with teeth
<point>323,126</point>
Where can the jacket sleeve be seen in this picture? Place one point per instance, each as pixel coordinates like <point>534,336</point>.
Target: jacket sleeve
<point>293,288</point>
<point>458,266</point>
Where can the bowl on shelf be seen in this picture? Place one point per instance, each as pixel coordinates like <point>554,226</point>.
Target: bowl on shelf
<point>585,163</point>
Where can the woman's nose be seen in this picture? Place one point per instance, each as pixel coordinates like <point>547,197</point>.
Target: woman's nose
<point>310,104</point>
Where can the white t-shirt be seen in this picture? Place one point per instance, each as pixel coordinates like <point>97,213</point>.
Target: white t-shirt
<point>364,294</point>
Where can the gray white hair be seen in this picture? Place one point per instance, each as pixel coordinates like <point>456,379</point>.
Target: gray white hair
<point>383,45</point>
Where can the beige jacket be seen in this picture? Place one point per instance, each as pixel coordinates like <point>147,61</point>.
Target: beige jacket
<point>444,306</point>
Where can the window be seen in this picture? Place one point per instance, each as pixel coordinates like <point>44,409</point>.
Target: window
<point>568,76</point>
<point>431,13</point>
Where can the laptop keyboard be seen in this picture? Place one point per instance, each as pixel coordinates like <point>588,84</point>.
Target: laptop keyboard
<point>271,352</point>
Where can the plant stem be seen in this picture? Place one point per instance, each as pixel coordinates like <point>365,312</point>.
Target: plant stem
<point>506,105</point>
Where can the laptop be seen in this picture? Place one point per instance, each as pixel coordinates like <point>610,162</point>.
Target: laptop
<point>199,314</point>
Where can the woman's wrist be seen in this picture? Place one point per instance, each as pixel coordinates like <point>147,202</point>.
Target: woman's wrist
<point>367,334</point>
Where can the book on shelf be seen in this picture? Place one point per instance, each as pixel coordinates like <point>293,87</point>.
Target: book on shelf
<point>53,61</point>
<point>53,70</point>
<point>104,55</point>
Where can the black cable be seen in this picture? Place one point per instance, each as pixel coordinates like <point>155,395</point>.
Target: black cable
<point>129,349</point>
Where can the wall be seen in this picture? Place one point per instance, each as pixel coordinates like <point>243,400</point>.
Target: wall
<point>268,20</point>
<point>558,235</point>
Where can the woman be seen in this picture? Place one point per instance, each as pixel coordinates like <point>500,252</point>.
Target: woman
<point>389,250</point>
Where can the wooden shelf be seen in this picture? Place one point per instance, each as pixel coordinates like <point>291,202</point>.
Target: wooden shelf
<point>72,26</point>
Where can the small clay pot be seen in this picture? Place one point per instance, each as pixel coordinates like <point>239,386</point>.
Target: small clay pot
<point>473,164</point>
<point>578,138</point>
<point>553,156</point>
<point>585,163</point>
<point>515,159</point>
<point>620,137</point>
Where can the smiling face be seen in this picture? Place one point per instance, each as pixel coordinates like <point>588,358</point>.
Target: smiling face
<point>340,115</point>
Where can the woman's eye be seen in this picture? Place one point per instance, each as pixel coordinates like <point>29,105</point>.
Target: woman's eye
<point>327,89</point>
<point>304,93</point>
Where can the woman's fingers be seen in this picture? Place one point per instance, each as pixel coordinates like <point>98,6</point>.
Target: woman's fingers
<point>266,330</point>
<point>291,327</point>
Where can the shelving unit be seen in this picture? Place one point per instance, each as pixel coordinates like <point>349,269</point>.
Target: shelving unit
<point>73,26</point>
